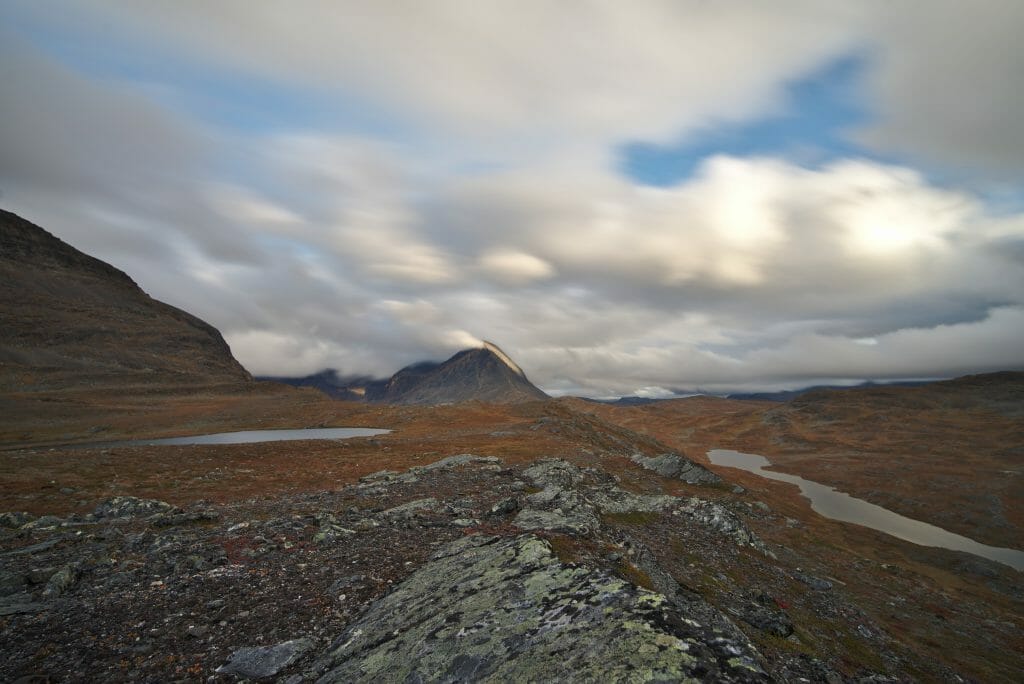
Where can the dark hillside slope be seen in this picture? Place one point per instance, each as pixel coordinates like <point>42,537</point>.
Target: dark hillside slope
<point>69,320</point>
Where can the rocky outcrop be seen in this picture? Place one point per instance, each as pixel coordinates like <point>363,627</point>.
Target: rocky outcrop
<point>677,467</point>
<point>130,507</point>
<point>506,609</point>
<point>465,569</point>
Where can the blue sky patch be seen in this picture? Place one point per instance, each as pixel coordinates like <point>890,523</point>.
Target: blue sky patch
<point>821,109</point>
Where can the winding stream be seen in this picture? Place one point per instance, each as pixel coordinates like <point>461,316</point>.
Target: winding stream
<point>839,506</point>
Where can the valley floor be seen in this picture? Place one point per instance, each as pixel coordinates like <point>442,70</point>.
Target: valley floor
<point>263,544</point>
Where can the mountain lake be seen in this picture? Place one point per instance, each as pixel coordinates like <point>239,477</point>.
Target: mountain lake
<point>250,436</point>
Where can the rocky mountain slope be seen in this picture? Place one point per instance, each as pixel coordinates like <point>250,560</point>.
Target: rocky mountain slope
<point>483,374</point>
<point>68,320</point>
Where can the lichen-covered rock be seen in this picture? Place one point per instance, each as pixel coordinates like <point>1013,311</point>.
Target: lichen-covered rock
<point>612,500</point>
<point>505,609</point>
<point>131,507</point>
<point>61,581</point>
<point>567,504</point>
<point>45,522</point>
<point>554,472</point>
<point>677,467</point>
<point>258,662</point>
<point>719,518</point>
<point>560,505</point>
<point>579,520</point>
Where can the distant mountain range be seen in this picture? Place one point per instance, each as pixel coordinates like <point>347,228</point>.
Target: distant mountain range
<point>781,395</point>
<point>69,320</point>
<point>483,374</point>
<point>786,395</point>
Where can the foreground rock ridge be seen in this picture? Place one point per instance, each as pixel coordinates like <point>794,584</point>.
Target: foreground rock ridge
<point>71,321</point>
<point>505,609</point>
<point>465,569</point>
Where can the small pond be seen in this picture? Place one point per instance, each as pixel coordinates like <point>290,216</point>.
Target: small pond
<point>839,506</point>
<point>250,436</point>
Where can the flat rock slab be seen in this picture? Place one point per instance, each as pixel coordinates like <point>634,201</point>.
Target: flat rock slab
<point>506,610</point>
<point>19,603</point>
<point>258,662</point>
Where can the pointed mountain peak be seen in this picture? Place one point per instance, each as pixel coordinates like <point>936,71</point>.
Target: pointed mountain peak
<point>506,359</point>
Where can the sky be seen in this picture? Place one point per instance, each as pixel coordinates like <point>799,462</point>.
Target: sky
<point>630,198</point>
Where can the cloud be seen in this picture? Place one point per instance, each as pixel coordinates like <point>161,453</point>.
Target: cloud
<point>516,80</point>
<point>514,267</point>
<point>947,84</point>
<point>495,212</point>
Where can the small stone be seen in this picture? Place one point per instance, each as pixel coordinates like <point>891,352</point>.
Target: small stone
<point>505,506</point>
<point>346,582</point>
<point>197,631</point>
<point>813,582</point>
